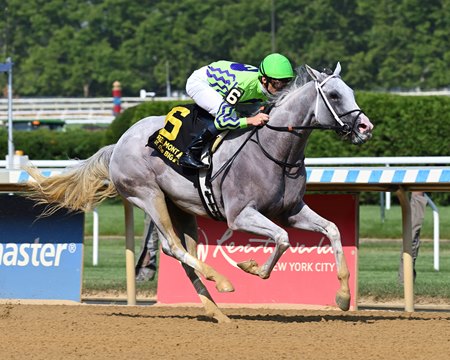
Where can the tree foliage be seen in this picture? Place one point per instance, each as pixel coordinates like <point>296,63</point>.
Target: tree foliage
<point>78,48</point>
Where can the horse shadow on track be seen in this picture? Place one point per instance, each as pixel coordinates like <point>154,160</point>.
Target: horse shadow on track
<point>367,319</point>
<point>287,319</point>
<point>146,316</point>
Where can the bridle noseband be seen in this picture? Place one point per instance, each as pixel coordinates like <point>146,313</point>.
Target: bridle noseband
<point>342,128</point>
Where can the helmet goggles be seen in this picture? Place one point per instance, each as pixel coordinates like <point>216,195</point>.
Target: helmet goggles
<point>279,84</point>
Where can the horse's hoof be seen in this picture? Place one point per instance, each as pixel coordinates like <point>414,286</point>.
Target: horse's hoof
<point>249,266</point>
<point>224,285</point>
<point>222,318</point>
<point>218,315</point>
<point>343,301</point>
<point>212,311</point>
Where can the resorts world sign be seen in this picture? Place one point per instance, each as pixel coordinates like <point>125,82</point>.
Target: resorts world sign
<point>305,274</point>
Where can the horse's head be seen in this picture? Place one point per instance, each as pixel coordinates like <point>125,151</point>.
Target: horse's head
<point>336,107</point>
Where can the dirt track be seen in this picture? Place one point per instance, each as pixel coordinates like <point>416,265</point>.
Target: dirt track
<point>154,332</point>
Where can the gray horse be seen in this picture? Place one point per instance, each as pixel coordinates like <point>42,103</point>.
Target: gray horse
<point>264,181</point>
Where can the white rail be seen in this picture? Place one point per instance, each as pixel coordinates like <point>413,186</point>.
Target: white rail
<point>46,164</point>
<point>397,160</point>
<point>388,161</point>
<point>95,236</point>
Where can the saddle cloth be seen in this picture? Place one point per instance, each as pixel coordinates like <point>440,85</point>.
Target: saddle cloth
<point>181,126</point>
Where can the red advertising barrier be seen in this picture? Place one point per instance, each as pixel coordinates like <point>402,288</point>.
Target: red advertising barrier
<point>305,274</point>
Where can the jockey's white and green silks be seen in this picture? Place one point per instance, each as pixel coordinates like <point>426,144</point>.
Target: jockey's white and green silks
<point>219,86</point>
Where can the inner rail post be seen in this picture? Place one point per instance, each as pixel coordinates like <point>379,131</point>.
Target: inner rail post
<point>129,252</point>
<point>408,275</point>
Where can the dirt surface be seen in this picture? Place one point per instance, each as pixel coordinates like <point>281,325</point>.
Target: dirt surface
<point>156,332</point>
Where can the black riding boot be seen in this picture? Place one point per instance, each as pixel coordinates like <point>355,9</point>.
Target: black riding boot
<point>191,157</point>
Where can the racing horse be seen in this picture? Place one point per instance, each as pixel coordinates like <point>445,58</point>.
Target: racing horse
<point>261,177</point>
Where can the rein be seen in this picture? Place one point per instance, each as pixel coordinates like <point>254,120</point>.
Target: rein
<point>279,162</point>
<point>231,159</point>
<point>319,91</point>
<point>344,127</point>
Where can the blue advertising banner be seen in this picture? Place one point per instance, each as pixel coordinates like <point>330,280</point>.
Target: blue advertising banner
<point>40,258</point>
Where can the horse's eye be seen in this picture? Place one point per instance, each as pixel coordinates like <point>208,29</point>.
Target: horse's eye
<point>334,96</point>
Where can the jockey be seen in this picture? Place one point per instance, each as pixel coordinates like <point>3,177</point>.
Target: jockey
<point>220,86</point>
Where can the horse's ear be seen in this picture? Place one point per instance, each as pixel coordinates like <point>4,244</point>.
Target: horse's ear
<point>313,73</point>
<point>337,71</point>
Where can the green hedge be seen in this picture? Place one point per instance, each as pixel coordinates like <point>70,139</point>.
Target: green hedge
<point>404,126</point>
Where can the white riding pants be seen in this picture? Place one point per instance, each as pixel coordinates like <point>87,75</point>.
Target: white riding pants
<point>197,87</point>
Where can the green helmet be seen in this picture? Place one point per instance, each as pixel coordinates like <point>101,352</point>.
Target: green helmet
<point>276,66</point>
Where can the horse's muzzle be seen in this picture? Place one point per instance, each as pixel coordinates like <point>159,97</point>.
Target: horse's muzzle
<point>362,131</point>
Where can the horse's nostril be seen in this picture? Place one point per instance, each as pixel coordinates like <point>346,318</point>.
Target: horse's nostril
<point>365,126</point>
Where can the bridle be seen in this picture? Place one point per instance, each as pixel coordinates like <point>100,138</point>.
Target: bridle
<point>342,128</point>
<point>320,94</point>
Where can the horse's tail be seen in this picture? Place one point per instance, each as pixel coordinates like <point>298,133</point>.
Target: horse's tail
<point>79,188</point>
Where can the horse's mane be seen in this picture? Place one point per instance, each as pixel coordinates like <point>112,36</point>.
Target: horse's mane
<point>301,79</point>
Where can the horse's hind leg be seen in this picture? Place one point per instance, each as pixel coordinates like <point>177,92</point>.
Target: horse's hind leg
<point>186,227</point>
<point>307,219</point>
<point>154,204</point>
<point>210,306</point>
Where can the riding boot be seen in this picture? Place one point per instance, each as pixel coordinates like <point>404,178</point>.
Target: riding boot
<point>191,157</point>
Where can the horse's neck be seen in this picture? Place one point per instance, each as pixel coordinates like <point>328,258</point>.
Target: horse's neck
<point>295,109</point>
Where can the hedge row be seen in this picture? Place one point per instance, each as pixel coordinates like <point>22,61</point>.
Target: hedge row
<point>404,126</point>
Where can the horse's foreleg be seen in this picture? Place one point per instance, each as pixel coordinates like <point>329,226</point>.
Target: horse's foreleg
<point>253,221</point>
<point>307,219</point>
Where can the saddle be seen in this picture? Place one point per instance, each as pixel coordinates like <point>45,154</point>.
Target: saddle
<point>181,126</point>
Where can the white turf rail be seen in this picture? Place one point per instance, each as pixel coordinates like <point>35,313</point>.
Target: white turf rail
<point>327,161</point>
